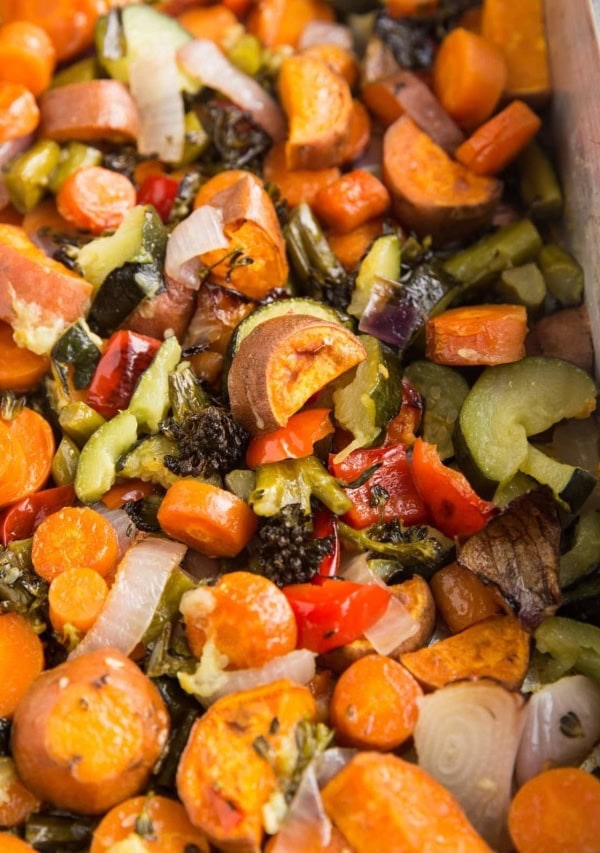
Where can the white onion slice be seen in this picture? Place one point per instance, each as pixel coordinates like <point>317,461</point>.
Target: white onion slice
<point>562,724</point>
<point>200,232</point>
<point>203,59</point>
<point>325,32</point>
<point>332,761</point>
<point>154,83</point>
<point>8,150</point>
<point>396,625</point>
<point>466,737</point>
<point>122,524</point>
<point>306,825</point>
<point>141,578</point>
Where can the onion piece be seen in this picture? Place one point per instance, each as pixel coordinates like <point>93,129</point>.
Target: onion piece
<point>306,825</point>
<point>141,578</point>
<point>203,60</point>
<point>154,83</point>
<point>562,724</point>
<point>122,524</point>
<point>325,32</point>
<point>467,737</point>
<point>8,150</point>
<point>396,625</point>
<point>332,761</point>
<point>200,232</point>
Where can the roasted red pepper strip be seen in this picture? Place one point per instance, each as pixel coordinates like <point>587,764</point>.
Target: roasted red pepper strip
<point>21,519</point>
<point>159,191</point>
<point>334,613</point>
<point>325,526</point>
<point>125,358</point>
<point>455,508</point>
<point>388,493</point>
<point>294,441</point>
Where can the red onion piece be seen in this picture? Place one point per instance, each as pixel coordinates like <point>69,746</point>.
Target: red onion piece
<point>141,578</point>
<point>154,83</point>
<point>562,724</point>
<point>203,60</point>
<point>467,737</point>
<point>306,825</point>
<point>122,524</point>
<point>325,32</point>
<point>200,232</point>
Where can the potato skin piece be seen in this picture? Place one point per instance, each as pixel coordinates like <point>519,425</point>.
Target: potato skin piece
<point>87,733</point>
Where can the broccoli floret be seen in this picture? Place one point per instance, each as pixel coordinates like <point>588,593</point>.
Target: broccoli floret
<point>209,442</point>
<point>286,550</point>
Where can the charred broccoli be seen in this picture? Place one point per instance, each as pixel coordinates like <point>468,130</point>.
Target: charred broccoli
<point>209,442</point>
<point>286,550</point>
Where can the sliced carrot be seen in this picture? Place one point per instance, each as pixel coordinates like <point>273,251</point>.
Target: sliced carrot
<point>351,201</point>
<point>349,248</point>
<point>27,448</point>
<point>12,844</point>
<point>75,598</point>
<point>462,598</point>
<point>19,113</point>
<point>209,22</point>
<point>495,648</point>
<point>557,811</point>
<point>69,23</point>
<point>27,55</point>
<point>240,598</point>
<point>17,803</point>
<point>21,660</point>
<point>359,134</point>
<point>469,75</point>
<point>519,31</point>
<point>172,830</point>
<point>337,57</point>
<point>296,185</point>
<point>294,441</point>
<point>96,199</point>
<point>74,537</point>
<point>278,22</point>
<point>375,704</point>
<point>207,518</point>
<point>131,490</point>
<point>497,142</point>
<point>477,335</point>
<point>20,369</point>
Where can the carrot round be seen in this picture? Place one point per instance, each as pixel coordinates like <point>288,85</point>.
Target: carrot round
<point>296,185</point>
<point>96,199</point>
<point>241,598</point>
<point>497,142</point>
<point>75,599</point>
<point>207,518</point>
<point>26,452</point>
<point>19,113</point>
<point>375,704</point>
<point>12,844</point>
<point>69,23</point>
<point>349,248</point>
<point>21,660</point>
<point>477,335</point>
<point>557,811</point>
<point>74,537</point>
<point>351,201</point>
<point>172,830</point>
<point>17,803</point>
<point>278,22</point>
<point>469,75</point>
<point>27,55</point>
<point>462,598</point>
<point>20,369</point>
<point>209,22</point>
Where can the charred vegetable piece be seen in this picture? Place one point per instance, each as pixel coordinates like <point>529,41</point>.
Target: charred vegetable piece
<point>146,460</point>
<point>414,549</point>
<point>518,551</point>
<point>79,347</point>
<point>295,481</point>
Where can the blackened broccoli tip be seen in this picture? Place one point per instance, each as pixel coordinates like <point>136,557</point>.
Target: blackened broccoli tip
<point>286,550</point>
<point>209,442</point>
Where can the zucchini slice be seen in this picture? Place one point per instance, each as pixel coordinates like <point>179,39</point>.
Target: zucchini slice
<point>443,390</point>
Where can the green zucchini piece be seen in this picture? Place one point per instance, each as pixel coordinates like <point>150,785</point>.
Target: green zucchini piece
<point>141,238</point>
<point>572,644</point>
<point>581,601</point>
<point>365,404</point>
<point>295,481</point>
<point>79,347</point>
<point>168,606</point>
<point>584,555</point>
<point>510,246</point>
<point>511,402</point>
<point>150,401</point>
<point>74,155</point>
<point>570,484</point>
<point>538,184</point>
<point>524,285</point>
<point>96,471</point>
<point>79,421</point>
<point>519,485</point>
<point>28,175</point>
<point>65,461</point>
<point>562,273</point>
<point>124,34</point>
<point>123,290</point>
<point>443,390</point>
<point>145,461</point>
<point>383,260</point>
<point>315,265</point>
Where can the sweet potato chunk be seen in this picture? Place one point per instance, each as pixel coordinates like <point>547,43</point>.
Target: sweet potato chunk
<point>90,110</point>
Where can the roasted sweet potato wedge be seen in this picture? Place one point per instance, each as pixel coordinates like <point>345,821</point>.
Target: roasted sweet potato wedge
<point>90,110</point>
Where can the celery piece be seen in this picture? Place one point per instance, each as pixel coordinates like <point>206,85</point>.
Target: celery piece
<point>28,175</point>
<point>96,471</point>
<point>150,400</point>
<point>75,155</point>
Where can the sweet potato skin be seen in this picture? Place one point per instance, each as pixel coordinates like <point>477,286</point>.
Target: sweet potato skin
<point>431,193</point>
<point>127,729</point>
<point>88,111</point>
<point>565,334</point>
<point>222,780</point>
<point>169,310</point>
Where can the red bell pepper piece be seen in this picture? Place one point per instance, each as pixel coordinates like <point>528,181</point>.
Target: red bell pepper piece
<point>131,490</point>
<point>293,441</point>
<point>20,520</point>
<point>336,612</point>
<point>125,358</point>
<point>325,526</point>
<point>456,509</point>
<point>159,191</point>
<point>388,493</point>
